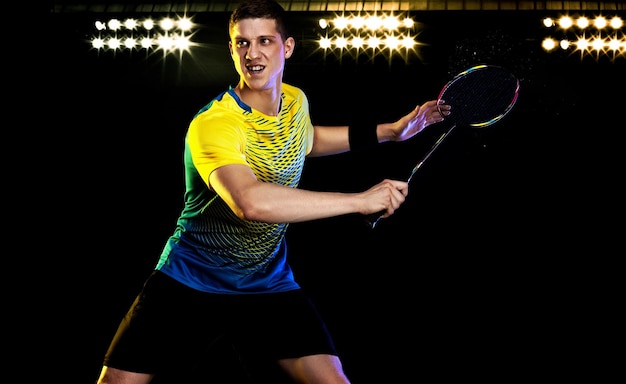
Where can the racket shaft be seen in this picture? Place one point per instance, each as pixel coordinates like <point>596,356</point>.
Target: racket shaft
<point>430,152</point>
<point>374,218</point>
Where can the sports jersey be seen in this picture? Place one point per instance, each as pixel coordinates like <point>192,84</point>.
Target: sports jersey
<point>212,249</point>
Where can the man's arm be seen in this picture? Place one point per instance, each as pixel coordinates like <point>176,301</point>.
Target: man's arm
<point>252,199</point>
<point>333,140</point>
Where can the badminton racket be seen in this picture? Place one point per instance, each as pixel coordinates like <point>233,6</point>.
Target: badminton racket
<point>479,96</point>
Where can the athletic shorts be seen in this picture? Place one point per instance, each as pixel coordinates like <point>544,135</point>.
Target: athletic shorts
<point>173,328</point>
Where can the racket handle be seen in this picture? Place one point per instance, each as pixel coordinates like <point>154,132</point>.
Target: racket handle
<point>373,218</point>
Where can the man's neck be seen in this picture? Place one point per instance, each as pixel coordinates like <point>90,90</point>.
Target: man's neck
<point>266,101</point>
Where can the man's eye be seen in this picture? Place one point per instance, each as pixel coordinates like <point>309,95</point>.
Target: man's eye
<point>265,41</point>
<point>241,44</point>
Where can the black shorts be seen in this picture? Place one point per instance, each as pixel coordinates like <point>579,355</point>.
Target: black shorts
<point>172,328</point>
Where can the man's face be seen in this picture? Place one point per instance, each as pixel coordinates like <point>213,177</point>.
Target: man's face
<point>259,52</point>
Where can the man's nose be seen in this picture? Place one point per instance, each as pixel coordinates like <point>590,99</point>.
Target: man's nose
<point>253,51</point>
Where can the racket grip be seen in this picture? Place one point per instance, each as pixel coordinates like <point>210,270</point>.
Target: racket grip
<point>373,218</point>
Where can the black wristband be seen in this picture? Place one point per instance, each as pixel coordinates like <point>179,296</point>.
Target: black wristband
<point>362,136</point>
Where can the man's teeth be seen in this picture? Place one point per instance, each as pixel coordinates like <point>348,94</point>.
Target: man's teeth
<point>256,68</point>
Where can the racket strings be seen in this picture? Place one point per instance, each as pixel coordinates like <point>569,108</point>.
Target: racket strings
<point>480,98</point>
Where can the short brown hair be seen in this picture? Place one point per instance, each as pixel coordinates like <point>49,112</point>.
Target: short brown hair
<point>260,9</point>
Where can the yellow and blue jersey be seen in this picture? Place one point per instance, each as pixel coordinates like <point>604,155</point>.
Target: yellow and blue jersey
<point>212,249</point>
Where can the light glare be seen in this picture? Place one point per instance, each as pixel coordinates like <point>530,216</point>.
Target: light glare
<point>357,32</point>
<point>597,36</point>
<point>171,34</point>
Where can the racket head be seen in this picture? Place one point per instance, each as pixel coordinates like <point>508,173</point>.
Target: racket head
<point>480,96</point>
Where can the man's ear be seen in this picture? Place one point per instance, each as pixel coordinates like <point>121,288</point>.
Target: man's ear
<point>290,45</point>
<point>230,47</point>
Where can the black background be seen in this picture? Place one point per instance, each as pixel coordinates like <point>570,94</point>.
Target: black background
<point>499,265</point>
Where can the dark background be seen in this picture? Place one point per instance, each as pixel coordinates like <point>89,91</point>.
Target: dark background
<point>498,267</point>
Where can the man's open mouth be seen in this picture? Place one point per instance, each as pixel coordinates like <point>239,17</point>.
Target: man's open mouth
<point>255,68</point>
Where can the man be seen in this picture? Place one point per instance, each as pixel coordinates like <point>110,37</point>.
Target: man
<point>223,274</point>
